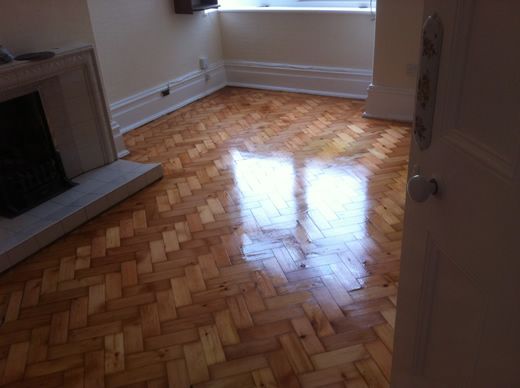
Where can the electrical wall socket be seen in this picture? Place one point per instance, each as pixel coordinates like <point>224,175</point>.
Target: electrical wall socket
<point>411,69</point>
<point>204,62</point>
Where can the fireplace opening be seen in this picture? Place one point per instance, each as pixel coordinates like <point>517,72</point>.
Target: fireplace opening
<point>31,171</point>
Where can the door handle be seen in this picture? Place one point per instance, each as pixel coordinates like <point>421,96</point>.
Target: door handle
<point>419,188</point>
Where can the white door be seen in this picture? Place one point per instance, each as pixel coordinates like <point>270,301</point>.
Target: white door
<point>458,308</point>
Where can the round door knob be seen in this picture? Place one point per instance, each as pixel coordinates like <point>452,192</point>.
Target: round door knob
<point>419,189</point>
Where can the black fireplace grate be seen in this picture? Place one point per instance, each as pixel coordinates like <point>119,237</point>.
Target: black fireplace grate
<point>31,170</point>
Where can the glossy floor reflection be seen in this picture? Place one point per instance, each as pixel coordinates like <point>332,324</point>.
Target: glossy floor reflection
<point>267,256</point>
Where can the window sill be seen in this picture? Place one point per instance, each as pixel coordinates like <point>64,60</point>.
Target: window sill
<point>359,11</point>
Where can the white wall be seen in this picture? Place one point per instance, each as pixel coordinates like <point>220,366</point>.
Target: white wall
<point>397,43</point>
<point>304,51</point>
<point>36,25</point>
<point>143,44</point>
<point>315,39</point>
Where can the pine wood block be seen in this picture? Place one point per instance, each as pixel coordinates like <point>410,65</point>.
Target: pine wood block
<point>275,272</point>
<point>252,297</point>
<point>351,338</point>
<point>129,273</point>
<point>139,219</point>
<point>282,369</point>
<point>154,356</point>
<point>176,338</point>
<point>249,348</point>
<point>220,255</point>
<point>389,315</point>
<point>177,374</point>
<point>166,305</point>
<point>337,290</point>
<point>295,351</point>
<point>288,300</point>
<point>144,262</point>
<point>171,241</point>
<point>113,286</point>
<point>385,333</point>
<point>98,248</point>
<point>226,327</point>
<point>307,335</point>
<point>114,353</point>
<point>15,364</point>
<point>96,299</point>
<point>157,251</point>
<point>126,228</point>
<point>329,376</point>
<point>205,214</point>
<point>137,375</point>
<point>95,331</point>
<point>235,367</point>
<point>78,313</point>
<point>264,378</point>
<point>196,363</point>
<point>195,278</point>
<point>318,320</point>
<point>50,280</point>
<point>74,378</point>
<point>208,267</point>
<point>181,291</point>
<point>381,356</point>
<point>59,351</point>
<point>112,237</point>
<point>150,320</point>
<point>67,267</point>
<point>54,366</point>
<point>371,373</point>
<point>83,255</point>
<point>239,311</point>
<point>264,284</point>
<point>211,344</point>
<point>358,322</point>
<point>133,337</point>
<point>59,328</point>
<point>38,345</point>
<point>31,293</point>
<point>340,356</point>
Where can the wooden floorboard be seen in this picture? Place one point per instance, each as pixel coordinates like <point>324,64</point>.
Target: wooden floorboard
<point>268,255</point>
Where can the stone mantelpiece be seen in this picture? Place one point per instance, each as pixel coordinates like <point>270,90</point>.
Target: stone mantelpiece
<point>74,102</point>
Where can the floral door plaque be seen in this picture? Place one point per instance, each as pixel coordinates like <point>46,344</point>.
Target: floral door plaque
<point>427,83</point>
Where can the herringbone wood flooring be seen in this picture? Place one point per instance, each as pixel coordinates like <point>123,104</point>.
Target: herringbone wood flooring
<point>267,256</point>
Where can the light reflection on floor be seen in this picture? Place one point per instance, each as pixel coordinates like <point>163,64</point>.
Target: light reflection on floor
<point>303,203</point>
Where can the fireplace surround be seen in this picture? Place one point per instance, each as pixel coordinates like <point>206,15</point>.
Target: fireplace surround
<point>74,103</point>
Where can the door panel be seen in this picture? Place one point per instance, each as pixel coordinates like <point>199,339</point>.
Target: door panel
<point>458,312</point>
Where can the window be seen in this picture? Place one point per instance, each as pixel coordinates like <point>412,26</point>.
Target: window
<point>361,5</point>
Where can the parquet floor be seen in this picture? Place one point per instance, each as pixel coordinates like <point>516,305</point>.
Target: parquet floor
<point>267,256</point>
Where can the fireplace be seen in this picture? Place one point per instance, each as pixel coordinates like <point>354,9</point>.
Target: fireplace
<point>31,170</point>
<point>70,139</point>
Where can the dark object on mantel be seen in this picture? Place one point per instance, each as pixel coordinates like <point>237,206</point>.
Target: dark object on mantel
<point>5,55</point>
<point>187,7</point>
<point>35,56</point>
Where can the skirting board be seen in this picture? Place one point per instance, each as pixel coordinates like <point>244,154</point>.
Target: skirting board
<point>328,81</point>
<point>139,109</point>
<point>390,103</point>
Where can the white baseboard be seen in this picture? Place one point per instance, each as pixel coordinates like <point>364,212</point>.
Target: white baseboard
<point>329,81</point>
<point>118,140</point>
<point>390,103</point>
<point>139,109</point>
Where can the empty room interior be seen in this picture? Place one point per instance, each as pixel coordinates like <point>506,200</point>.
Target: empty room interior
<point>230,196</point>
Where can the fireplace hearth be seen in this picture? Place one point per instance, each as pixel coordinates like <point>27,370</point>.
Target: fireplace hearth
<point>69,139</point>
